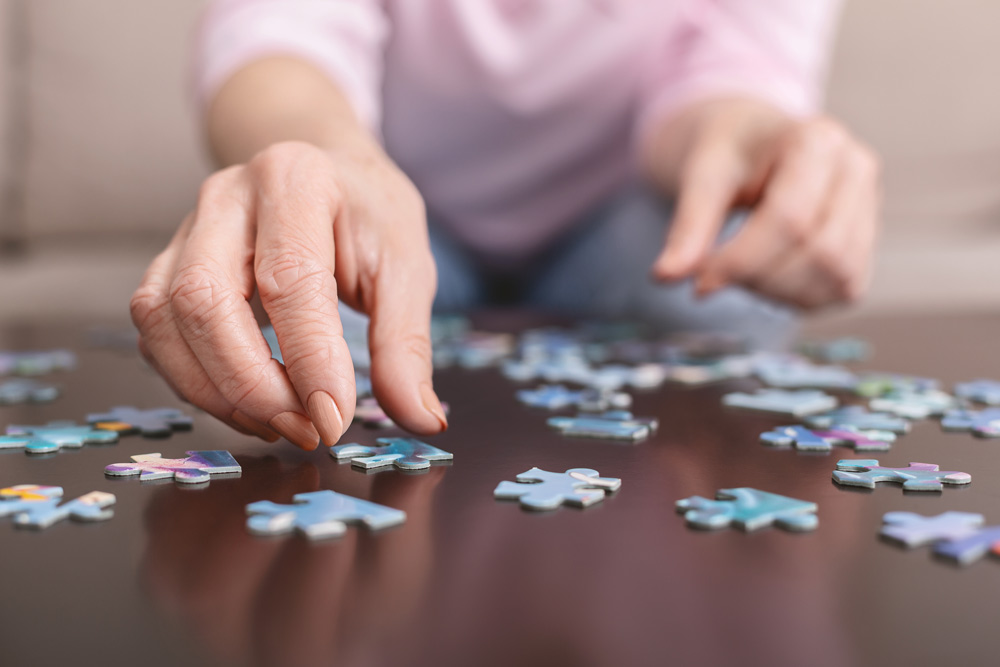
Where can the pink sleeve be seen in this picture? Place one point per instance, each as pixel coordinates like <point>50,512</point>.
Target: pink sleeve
<point>773,50</point>
<point>344,38</point>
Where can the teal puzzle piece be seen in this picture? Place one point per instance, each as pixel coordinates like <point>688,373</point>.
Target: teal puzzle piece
<point>748,509</point>
<point>403,453</point>
<point>53,437</point>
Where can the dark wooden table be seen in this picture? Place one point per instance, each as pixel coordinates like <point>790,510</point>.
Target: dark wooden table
<point>174,578</point>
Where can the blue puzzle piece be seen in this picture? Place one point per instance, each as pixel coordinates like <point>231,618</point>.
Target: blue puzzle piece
<point>859,417</point>
<point>319,515</point>
<point>611,425</point>
<point>36,506</point>
<point>557,397</point>
<point>916,477</point>
<point>914,404</point>
<point>15,392</point>
<point>795,403</point>
<point>53,437</point>
<point>967,550</point>
<point>982,423</point>
<point>915,530</point>
<point>541,490</point>
<point>37,362</point>
<point>748,509</point>
<point>838,350</point>
<point>981,391</point>
<point>878,384</point>
<point>824,440</point>
<point>795,373</point>
<point>403,453</point>
<point>154,423</point>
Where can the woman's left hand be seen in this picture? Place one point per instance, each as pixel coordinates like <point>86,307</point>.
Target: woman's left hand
<point>814,193</point>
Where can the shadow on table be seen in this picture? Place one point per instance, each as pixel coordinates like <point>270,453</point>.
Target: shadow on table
<point>285,601</point>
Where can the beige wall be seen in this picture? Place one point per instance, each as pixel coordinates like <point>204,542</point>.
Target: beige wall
<point>113,146</point>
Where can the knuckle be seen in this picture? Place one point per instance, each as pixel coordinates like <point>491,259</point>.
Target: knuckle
<point>294,277</point>
<point>868,163</point>
<point>218,186</point>
<point>239,385</point>
<point>147,307</point>
<point>795,221</point>
<point>199,300</point>
<point>283,157</point>
<point>418,345</point>
<point>822,134</point>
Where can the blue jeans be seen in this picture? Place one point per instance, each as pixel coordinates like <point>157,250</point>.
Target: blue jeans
<point>602,271</point>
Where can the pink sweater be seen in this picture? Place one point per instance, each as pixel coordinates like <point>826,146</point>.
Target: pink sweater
<point>513,117</point>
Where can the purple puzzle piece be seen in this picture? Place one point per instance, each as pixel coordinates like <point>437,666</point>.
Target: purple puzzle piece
<point>197,468</point>
<point>969,549</point>
<point>914,530</point>
<point>823,440</point>
<point>371,414</point>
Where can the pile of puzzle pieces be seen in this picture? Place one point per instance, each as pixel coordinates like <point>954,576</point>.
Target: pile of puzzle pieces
<point>590,371</point>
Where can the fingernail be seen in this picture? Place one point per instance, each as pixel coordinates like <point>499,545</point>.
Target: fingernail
<point>433,405</point>
<point>296,428</point>
<point>326,416</point>
<point>253,427</point>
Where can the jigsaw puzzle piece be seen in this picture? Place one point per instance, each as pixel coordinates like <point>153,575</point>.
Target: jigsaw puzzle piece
<point>915,530</point>
<point>197,468</point>
<point>795,403</point>
<point>838,350</point>
<point>748,509</point>
<point>54,436</point>
<point>154,423</point>
<point>319,515</point>
<point>969,549</point>
<point>36,363</point>
<point>790,372</point>
<point>611,425</point>
<point>371,414</point>
<point>872,385</point>
<point>823,440</point>
<point>915,477</point>
<point>35,506</point>
<point>557,397</point>
<point>403,453</point>
<point>859,417</point>
<point>981,391</point>
<point>541,490</point>
<point>15,392</point>
<point>982,423</point>
<point>914,404</point>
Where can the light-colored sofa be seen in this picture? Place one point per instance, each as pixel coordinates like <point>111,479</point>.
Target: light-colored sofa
<point>101,158</point>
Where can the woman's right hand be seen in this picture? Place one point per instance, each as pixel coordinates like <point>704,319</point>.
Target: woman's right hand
<point>301,227</point>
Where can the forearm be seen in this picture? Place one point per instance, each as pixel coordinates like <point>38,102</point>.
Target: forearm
<point>279,99</point>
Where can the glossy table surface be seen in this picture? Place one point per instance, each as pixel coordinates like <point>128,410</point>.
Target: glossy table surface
<point>174,578</point>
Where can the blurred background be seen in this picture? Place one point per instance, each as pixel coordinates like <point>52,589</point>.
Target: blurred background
<point>100,156</point>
